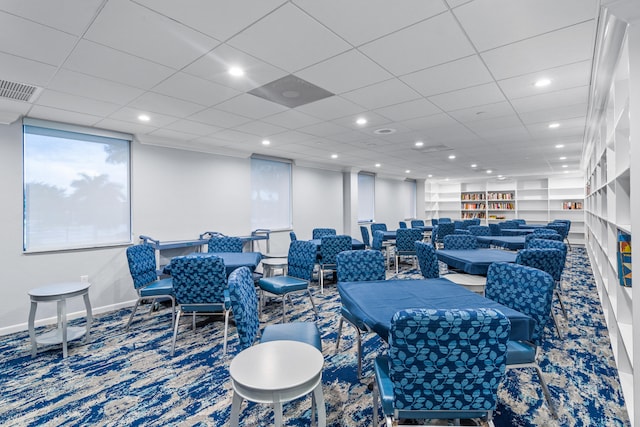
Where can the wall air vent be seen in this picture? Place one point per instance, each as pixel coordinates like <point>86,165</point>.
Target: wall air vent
<point>17,91</point>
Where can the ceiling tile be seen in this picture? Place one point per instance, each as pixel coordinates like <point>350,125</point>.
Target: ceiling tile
<point>250,106</point>
<point>382,94</point>
<point>129,114</point>
<point>125,126</point>
<point>428,43</point>
<point>409,110</point>
<point>156,103</point>
<point>280,48</point>
<point>552,114</point>
<point>94,87</point>
<point>483,112</point>
<point>194,89</point>
<point>373,121</point>
<point>560,47</point>
<point>79,104</point>
<point>173,135</point>
<point>25,71</point>
<point>331,108</point>
<point>291,119</point>
<point>564,77</point>
<point>344,72</point>
<point>549,100</point>
<point>191,127</point>
<point>70,16</point>
<point>63,116</point>
<point>259,128</point>
<point>323,129</point>
<point>221,119</point>
<point>469,97</point>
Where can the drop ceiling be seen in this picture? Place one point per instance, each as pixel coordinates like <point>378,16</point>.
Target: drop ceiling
<point>456,75</point>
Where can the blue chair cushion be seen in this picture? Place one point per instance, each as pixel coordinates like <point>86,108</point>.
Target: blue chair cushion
<point>158,288</point>
<point>384,383</point>
<point>279,285</point>
<point>520,352</point>
<point>305,332</point>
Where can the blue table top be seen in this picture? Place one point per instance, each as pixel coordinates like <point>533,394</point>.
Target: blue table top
<point>508,242</point>
<point>232,260</point>
<point>474,261</point>
<point>355,243</point>
<point>424,227</point>
<point>389,235</point>
<point>530,226</point>
<point>376,302</point>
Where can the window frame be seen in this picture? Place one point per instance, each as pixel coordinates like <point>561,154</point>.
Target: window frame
<point>256,223</point>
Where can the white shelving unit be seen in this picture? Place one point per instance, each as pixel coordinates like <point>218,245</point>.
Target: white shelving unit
<point>610,196</point>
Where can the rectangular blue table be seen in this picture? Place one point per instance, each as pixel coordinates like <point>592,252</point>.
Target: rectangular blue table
<point>474,261</point>
<point>508,242</point>
<point>376,302</point>
<point>516,231</point>
<point>355,244</point>
<point>389,235</point>
<point>232,260</point>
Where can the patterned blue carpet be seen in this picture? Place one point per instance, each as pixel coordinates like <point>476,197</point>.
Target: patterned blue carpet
<point>128,378</point>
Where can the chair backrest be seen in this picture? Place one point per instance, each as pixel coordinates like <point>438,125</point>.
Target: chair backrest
<point>544,231</point>
<point>378,226</point>
<point>406,238</point>
<point>563,221</point>
<point>559,227</point>
<point>417,223</point>
<point>301,259</point>
<point>378,238</point>
<point>402,224</point>
<point>244,304</point>
<point>224,244</point>
<point>549,260</point>
<point>447,360</point>
<point>360,265</point>
<point>466,223</point>
<point>434,221</point>
<point>460,241</point>
<point>548,244</point>
<point>444,221</point>
<point>199,280</point>
<point>522,288</point>
<point>365,236</point>
<point>495,229</point>
<point>427,260</point>
<point>509,224</point>
<point>459,225</point>
<point>519,221</point>
<point>444,230</point>
<point>546,236</point>
<point>479,230</point>
<point>142,265</point>
<point>319,233</point>
<point>331,246</point>
<point>292,236</point>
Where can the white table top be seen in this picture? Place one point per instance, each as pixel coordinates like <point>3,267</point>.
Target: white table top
<point>276,365</point>
<point>274,261</point>
<point>55,289</point>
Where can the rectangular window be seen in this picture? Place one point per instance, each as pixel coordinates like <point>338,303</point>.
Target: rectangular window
<point>76,187</point>
<point>410,186</point>
<point>366,197</point>
<point>270,194</point>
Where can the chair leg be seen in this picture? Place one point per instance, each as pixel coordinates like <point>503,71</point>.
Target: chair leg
<point>284,306</point>
<point>358,343</point>
<point>559,295</point>
<point>545,391</point>
<point>226,332</point>
<point>339,333</point>
<point>312,303</point>
<point>397,262</point>
<point>175,332</point>
<point>557,325</point>
<point>135,307</point>
<point>321,274</point>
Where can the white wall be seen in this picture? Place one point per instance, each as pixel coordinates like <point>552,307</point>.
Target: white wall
<point>392,198</point>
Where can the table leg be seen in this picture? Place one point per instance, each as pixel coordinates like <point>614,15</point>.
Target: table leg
<point>235,410</point>
<point>87,305</point>
<point>62,318</point>
<point>277,414</point>
<point>32,331</point>
<point>319,397</point>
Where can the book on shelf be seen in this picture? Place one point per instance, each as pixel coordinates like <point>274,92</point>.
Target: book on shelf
<point>624,258</point>
<point>571,205</point>
<point>501,196</point>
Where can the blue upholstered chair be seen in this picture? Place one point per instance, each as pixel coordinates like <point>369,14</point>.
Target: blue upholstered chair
<point>244,306</point>
<point>301,261</point>
<point>519,221</point>
<point>319,233</point>
<point>405,243</point>
<point>330,247</point>
<point>365,236</point>
<point>562,228</point>
<point>529,291</point>
<point>200,286</point>
<point>417,223</point>
<point>434,221</point>
<point>468,223</point>
<point>444,221</point>
<point>427,260</point>
<point>459,225</point>
<point>496,230</point>
<point>460,241</point>
<point>292,236</point>
<point>378,226</point>
<point>480,230</point>
<point>379,244</point>
<point>509,224</point>
<point>442,364</point>
<point>402,224</point>
<point>544,231</point>
<point>547,236</point>
<point>142,266</point>
<point>443,230</point>
<point>358,266</point>
<point>553,244</point>
<point>224,244</point>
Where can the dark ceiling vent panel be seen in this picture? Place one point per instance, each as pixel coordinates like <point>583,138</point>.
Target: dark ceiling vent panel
<point>291,91</point>
<point>17,91</point>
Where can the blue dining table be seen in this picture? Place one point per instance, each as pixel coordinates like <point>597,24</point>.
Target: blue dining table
<point>508,242</point>
<point>232,260</point>
<point>375,302</point>
<point>474,261</point>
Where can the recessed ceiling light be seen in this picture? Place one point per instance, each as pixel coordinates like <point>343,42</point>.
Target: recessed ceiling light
<point>565,166</point>
<point>563,158</point>
<point>452,156</point>
<point>334,156</point>
<point>144,118</point>
<point>407,171</point>
<point>542,83</point>
<point>236,71</point>
<point>429,176</point>
<point>559,145</point>
<point>266,142</point>
<point>566,171</point>
<point>378,165</point>
<point>554,125</point>
<point>474,165</point>
<point>361,121</point>
<point>489,171</point>
<point>446,179</point>
<point>419,143</point>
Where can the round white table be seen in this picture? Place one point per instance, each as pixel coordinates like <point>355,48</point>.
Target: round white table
<point>59,292</point>
<point>276,372</point>
<point>269,265</point>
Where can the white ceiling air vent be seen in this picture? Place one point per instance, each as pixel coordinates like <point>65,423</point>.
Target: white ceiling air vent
<point>433,148</point>
<point>18,91</point>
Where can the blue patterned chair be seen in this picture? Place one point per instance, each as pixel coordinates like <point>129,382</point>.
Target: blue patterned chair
<point>434,221</point>
<point>460,242</point>
<point>292,236</point>
<point>553,244</point>
<point>544,231</point>
<point>529,291</point>
<point>330,247</point>
<point>319,233</point>
<point>405,243</point>
<point>562,228</point>
<point>509,224</point>
<point>442,364</point>
<point>379,244</point>
<point>480,230</point>
<point>443,230</point>
<point>358,266</point>
<point>519,221</point>
<point>142,266</point>
<point>365,236</point>
<point>224,244</point>
<point>244,306</point>
<point>417,223</point>
<point>378,226</point>
<point>444,221</point>
<point>200,286</point>
<point>427,260</point>
<point>547,236</point>
<point>402,224</point>
<point>301,261</point>
<point>496,230</point>
<point>459,225</point>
